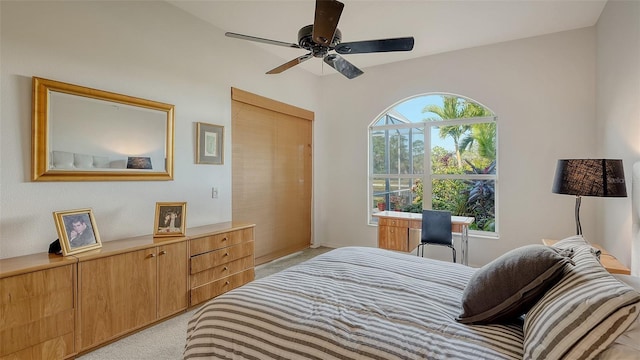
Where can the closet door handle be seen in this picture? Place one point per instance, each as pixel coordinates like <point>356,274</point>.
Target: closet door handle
<point>163,252</point>
<point>151,256</point>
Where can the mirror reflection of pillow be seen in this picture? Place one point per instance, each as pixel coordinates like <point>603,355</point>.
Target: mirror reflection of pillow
<point>101,162</point>
<point>118,164</point>
<point>61,160</point>
<point>83,161</point>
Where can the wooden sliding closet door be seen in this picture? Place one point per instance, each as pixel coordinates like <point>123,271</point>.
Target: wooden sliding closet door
<point>271,169</point>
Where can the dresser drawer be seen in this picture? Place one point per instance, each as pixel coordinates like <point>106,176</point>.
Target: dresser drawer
<point>218,257</point>
<point>60,347</point>
<point>393,222</point>
<point>215,242</point>
<point>220,271</point>
<point>218,287</point>
<point>37,314</point>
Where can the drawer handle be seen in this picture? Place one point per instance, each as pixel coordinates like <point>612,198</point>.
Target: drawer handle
<point>163,252</point>
<point>151,255</point>
<point>224,238</point>
<point>226,254</point>
<point>226,282</point>
<point>225,268</point>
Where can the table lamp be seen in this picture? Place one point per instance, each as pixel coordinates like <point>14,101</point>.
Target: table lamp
<point>589,177</point>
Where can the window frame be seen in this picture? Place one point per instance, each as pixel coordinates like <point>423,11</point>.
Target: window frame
<point>427,176</point>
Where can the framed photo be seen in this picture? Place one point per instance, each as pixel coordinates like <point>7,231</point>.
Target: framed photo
<point>171,218</point>
<point>209,144</point>
<point>77,231</point>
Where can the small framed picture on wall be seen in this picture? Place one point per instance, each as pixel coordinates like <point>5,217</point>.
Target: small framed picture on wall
<point>209,144</point>
<point>77,231</point>
<point>171,218</point>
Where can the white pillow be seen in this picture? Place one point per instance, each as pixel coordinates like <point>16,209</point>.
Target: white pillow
<point>83,161</point>
<point>61,160</point>
<point>100,161</point>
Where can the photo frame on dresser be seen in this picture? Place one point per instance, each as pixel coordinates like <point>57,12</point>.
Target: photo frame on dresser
<point>77,231</point>
<point>209,144</point>
<point>170,219</point>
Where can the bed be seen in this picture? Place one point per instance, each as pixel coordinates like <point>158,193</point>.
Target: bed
<point>370,303</point>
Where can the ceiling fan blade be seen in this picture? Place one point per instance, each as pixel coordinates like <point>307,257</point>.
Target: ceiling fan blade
<point>326,21</point>
<point>372,46</point>
<point>264,41</point>
<point>290,64</point>
<point>342,66</point>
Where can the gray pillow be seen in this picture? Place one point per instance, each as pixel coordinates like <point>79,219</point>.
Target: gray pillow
<point>510,285</point>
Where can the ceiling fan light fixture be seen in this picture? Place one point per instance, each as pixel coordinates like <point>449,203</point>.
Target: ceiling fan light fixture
<point>324,36</point>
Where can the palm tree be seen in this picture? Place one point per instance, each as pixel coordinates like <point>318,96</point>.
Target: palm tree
<point>452,109</point>
<point>484,135</point>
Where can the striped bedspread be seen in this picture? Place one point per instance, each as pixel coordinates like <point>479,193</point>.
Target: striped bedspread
<point>349,303</point>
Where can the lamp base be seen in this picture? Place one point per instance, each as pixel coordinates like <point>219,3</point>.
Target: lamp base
<point>577,213</point>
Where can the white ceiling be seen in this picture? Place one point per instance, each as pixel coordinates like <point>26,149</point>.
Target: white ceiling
<point>437,26</point>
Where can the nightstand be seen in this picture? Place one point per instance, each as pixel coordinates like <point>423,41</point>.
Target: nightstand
<point>607,260</point>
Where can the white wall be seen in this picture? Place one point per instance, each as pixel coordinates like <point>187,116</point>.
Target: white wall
<point>542,89</point>
<point>618,116</point>
<point>150,50</point>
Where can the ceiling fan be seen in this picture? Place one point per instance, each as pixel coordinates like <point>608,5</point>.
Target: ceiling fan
<point>324,36</point>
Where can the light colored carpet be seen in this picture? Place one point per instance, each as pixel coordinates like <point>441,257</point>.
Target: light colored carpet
<point>165,341</point>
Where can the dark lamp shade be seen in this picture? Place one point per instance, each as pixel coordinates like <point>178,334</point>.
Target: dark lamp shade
<point>139,162</point>
<point>590,177</point>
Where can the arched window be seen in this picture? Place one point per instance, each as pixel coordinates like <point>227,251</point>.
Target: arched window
<point>452,136</point>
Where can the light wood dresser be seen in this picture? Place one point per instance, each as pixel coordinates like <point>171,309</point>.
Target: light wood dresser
<point>129,284</point>
<point>220,260</point>
<point>55,307</point>
<point>37,307</point>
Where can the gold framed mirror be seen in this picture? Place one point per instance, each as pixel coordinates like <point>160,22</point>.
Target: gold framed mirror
<point>84,134</point>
